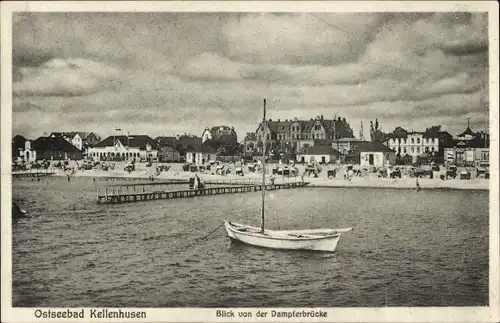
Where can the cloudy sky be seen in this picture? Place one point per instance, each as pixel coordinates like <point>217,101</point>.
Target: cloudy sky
<point>174,73</point>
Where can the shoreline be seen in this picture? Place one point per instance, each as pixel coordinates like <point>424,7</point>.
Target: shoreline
<point>321,182</point>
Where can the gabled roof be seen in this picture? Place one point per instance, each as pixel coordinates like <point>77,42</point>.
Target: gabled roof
<point>322,150</point>
<point>136,141</point>
<point>56,144</point>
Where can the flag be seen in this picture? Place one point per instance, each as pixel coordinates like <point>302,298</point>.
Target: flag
<point>118,129</point>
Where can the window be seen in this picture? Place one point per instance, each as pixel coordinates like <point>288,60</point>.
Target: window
<point>418,150</point>
<point>418,140</point>
<point>412,149</point>
<point>317,127</point>
<point>427,140</point>
<point>399,150</point>
<point>412,140</point>
<point>485,155</point>
<point>426,149</point>
<point>404,149</point>
<point>404,140</point>
<point>432,149</point>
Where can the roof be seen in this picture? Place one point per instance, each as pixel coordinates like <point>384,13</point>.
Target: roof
<point>475,143</point>
<point>467,131</point>
<point>49,143</point>
<point>425,134</point>
<point>202,149</point>
<point>373,147</point>
<point>84,135</point>
<point>349,140</point>
<point>165,141</point>
<point>323,142</point>
<point>307,125</point>
<point>136,141</point>
<point>18,138</point>
<point>71,134</point>
<point>322,150</point>
<point>188,142</point>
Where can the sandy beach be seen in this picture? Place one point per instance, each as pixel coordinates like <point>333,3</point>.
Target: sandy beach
<point>176,173</point>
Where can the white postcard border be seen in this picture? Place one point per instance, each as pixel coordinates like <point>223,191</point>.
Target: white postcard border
<point>409,314</point>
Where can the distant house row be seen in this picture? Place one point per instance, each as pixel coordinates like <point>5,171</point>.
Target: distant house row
<point>467,147</point>
<point>438,146</point>
<point>78,145</point>
<point>57,145</point>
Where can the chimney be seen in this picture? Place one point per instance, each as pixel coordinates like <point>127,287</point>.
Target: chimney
<point>279,120</point>
<point>270,119</point>
<point>321,117</point>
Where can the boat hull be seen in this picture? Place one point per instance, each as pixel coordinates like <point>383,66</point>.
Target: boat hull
<point>282,239</point>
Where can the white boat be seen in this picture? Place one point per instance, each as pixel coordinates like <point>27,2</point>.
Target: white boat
<point>316,239</point>
<point>309,239</point>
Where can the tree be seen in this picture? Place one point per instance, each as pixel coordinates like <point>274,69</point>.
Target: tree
<point>399,132</point>
<point>376,133</point>
<point>434,128</point>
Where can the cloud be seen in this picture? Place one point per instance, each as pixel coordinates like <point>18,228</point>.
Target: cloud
<point>180,72</point>
<point>66,77</point>
<point>299,38</point>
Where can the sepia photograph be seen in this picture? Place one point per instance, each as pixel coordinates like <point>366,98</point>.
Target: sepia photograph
<point>261,159</point>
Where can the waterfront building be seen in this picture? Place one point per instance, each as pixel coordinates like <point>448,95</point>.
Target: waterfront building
<point>125,148</point>
<point>50,148</point>
<point>320,153</point>
<point>168,154</point>
<point>294,135</point>
<point>369,154</point>
<point>469,148</point>
<point>201,155</point>
<point>416,144</point>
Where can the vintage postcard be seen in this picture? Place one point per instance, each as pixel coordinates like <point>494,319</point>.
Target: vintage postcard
<point>250,161</point>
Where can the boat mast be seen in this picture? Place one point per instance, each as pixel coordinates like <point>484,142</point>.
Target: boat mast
<point>263,168</point>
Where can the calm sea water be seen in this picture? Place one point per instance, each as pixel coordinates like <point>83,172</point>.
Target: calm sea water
<point>427,248</point>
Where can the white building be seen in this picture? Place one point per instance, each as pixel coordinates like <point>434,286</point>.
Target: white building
<point>201,155</point>
<point>126,148</point>
<point>323,154</point>
<point>375,154</point>
<point>418,143</point>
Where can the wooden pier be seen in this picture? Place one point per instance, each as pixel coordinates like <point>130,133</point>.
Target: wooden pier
<point>161,182</point>
<point>115,195</point>
<point>33,174</point>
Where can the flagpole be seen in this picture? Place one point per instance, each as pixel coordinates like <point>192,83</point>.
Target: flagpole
<point>263,168</point>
